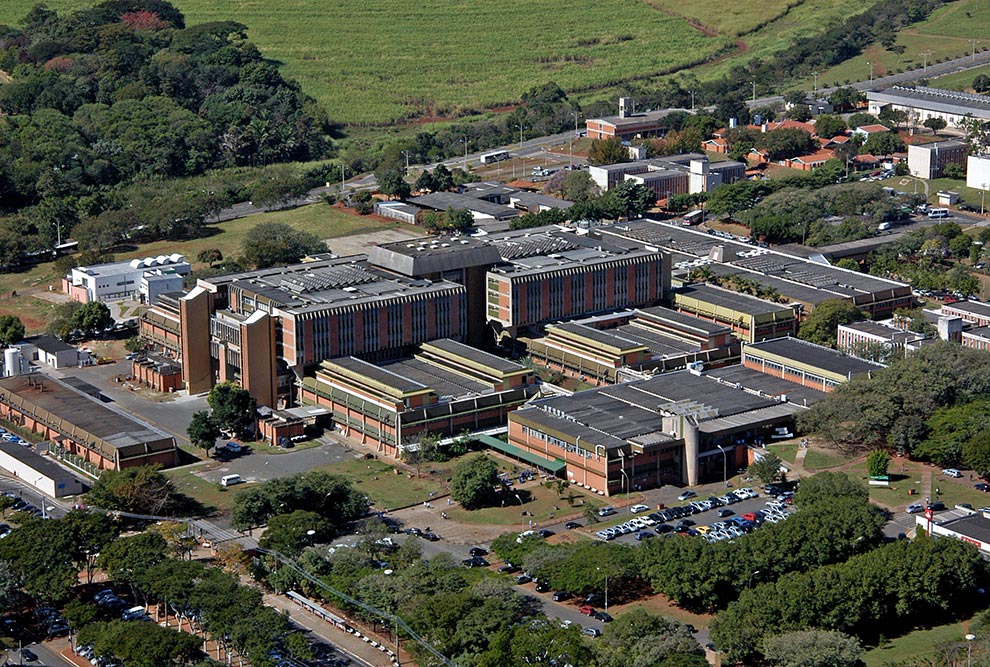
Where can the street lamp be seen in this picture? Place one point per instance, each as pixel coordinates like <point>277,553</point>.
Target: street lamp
<point>749,584</point>
<point>521,128</point>
<point>725,465</point>
<point>465,140</point>
<point>871,71</point>
<point>523,515</point>
<point>816,85</point>
<point>969,650</point>
<point>606,588</point>
<point>406,153</point>
<point>983,193</point>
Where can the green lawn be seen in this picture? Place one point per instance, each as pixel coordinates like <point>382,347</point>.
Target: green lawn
<point>968,195</point>
<point>213,496</point>
<point>541,503</point>
<point>960,80</point>
<point>733,18</point>
<point>383,487</point>
<point>816,459</point>
<point>326,222</point>
<point>915,646</point>
<point>787,452</point>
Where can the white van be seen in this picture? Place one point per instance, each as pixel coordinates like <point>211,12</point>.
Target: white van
<point>133,613</point>
<point>230,480</point>
<point>935,213</point>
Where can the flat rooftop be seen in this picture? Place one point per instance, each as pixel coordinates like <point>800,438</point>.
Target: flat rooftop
<point>41,464</point>
<point>768,384</point>
<point>637,118</point>
<point>615,414</point>
<point>441,201</point>
<point>974,307</point>
<point>743,303</point>
<point>815,355</point>
<point>81,411</point>
<point>328,283</point>
<point>684,320</point>
<point>881,330</point>
<point>935,99</point>
<point>794,277</point>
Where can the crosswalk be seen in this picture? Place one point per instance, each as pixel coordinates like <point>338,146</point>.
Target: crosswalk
<point>220,535</point>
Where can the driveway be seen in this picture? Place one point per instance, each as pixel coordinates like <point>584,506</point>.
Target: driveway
<point>263,467</point>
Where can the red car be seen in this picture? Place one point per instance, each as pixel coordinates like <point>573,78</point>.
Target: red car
<point>749,516</point>
<point>587,610</point>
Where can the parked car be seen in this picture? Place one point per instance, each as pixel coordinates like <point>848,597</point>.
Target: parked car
<point>592,632</point>
<point>982,486</point>
<point>542,587</point>
<point>687,494</point>
<point>606,511</point>
<point>636,509</point>
<point>603,616</point>
<point>478,551</point>
<point>571,525</point>
<point>952,472</point>
<point>560,596</point>
<point>937,506</point>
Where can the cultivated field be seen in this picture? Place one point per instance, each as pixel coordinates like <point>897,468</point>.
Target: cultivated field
<point>381,61</point>
<point>728,18</point>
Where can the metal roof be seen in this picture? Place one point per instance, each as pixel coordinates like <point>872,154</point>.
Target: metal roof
<point>935,99</point>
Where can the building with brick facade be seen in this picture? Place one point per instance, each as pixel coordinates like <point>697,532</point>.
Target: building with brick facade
<point>82,425</point>
<point>803,363</point>
<point>976,313</point>
<point>546,276</point>
<point>445,388</point>
<point>678,428</point>
<point>929,160</point>
<point>158,372</point>
<point>869,339</point>
<point>977,338</point>
<point>601,350</point>
<point>628,124</point>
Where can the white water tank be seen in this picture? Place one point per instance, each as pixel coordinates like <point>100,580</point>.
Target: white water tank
<point>11,361</point>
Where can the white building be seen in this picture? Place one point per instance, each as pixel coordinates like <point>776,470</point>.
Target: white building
<point>978,172</point>
<point>125,280</point>
<point>49,478</point>
<point>923,103</point>
<point>49,351</point>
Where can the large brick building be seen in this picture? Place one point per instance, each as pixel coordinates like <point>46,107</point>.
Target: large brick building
<point>445,388</point>
<point>83,426</point>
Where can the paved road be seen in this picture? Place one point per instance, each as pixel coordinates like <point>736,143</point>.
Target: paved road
<point>932,71</point>
<point>48,656</point>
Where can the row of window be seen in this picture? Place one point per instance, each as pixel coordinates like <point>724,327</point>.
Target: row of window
<point>557,442</point>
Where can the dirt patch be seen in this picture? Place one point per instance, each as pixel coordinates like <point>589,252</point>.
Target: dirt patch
<point>664,606</point>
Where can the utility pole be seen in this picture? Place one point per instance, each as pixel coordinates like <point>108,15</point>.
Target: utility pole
<point>925,54</point>
<point>754,90</point>
<point>406,153</point>
<point>341,179</point>
<point>520,126</point>
<point>692,99</point>
<point>815,94</point>
<point>871,71</point>
<point>465,140</point>
<point>974,42</point>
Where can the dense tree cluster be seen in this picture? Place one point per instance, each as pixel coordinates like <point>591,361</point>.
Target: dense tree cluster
<point>46,556</point>
<point>821,324</point>
<point>929,258</point>
<point>142,490</point>
<point>276,243</point>
<point>331,497</point>
<point>124,91</point>
<point>883,591</point>
<point>705,576</point>
<point>893,407</point>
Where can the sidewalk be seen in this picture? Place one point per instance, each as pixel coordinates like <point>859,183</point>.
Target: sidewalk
<point>350,644</point>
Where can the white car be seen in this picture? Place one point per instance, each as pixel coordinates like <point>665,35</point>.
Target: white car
<point>636,509</point>
<point>951,472</point>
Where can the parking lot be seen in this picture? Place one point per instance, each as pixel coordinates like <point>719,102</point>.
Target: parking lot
<point>716,518</point>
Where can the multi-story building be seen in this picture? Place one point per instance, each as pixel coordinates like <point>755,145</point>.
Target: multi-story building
<point>143,279</point>
<point>628,124</point>
<point>546,276</point>
<point>801,281</point>
<point>978,174</point>
<point>928,160</point>
<point>977,338</point>
<point>873,340</point>
<point>445,388</point>
<point>974,312</point>
<point>598,350</point>
<point>266,326</point>
<point>677,428</point>
<point>750,318</point>
<point>672,175</point>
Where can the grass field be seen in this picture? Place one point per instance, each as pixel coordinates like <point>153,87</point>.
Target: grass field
<point>381,61</point>
<point>385,488</point>
<point>541,504</point>
<point>817,459</point>
<point>786,452</point>
<point>213,496</point>
<point>945,34</point>
<point>960,80</point>
<point>914,646</point>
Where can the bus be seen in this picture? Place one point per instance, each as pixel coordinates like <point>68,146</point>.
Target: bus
<point>935,213</point>
<point>694,217</point>
<point>494,156</point>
